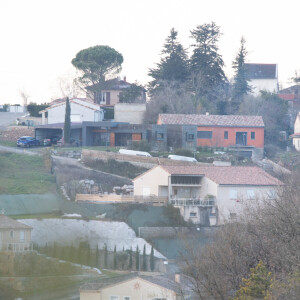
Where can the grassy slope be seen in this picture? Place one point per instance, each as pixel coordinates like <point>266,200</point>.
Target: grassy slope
<point>24,174</point>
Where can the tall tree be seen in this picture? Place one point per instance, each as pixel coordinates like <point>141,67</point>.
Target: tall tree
<point>115,257</point>
<point>130,259</point>
<point>144,259</point>
<point>241,86</point>
<point>152,259</point>
<point>206,65</point>
<point>105,256</point>
<point>67,125</point>
<point>137,258</point>
<point>173,65</point>
<point>96,63</point>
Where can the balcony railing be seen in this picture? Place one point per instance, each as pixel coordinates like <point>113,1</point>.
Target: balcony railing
<point>16,247</point>
<point>194,202</point>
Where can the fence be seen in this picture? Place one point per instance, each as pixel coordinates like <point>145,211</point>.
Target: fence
<point>112,198</point>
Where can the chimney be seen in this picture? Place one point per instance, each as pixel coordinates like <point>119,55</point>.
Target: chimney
<point>207,113</point>
<point>177,277</point>
<point>125,78</point>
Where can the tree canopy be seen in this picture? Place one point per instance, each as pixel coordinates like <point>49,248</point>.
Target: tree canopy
<point>206,65</point>
<point>173,65</point>
<point>96,63</point>
<point>240,82</point>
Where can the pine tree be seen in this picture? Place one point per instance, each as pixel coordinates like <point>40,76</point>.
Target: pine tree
<point>130,259</point>
<point>137,258</point>
<point>115,258</point>
<point>152,265</point>
<point>173,65</point>
<point>144,259</point>
<point>240,85</point>
<point>209,82</point>
<point>67,125</point>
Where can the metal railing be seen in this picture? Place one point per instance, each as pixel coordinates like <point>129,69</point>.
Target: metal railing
<point>194,202</point>
<point>17,247</point>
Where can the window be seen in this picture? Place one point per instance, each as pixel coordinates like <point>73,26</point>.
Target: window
<point>193,214</point>
<point>11,233</point>
<point>22,236</point>
<point>252,135</point>
<point>250,194</point>
<point>159,136</point>
<point>271,194</point>
<point>190,137</point>
<point>225,135</point>
<point>233,194</point>
<point>204,134</point>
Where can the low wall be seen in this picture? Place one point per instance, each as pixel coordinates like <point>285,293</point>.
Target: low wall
<point>163,232</point>
<point>145,161</point>
<point>113,198</point>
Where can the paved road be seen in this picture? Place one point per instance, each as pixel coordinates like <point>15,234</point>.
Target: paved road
<point>7,118</point>
<point>19,150</point>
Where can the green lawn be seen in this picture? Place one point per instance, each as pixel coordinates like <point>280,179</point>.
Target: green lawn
<point>24,174</point>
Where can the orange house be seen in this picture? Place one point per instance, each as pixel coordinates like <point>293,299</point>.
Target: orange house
<point>221,130</point>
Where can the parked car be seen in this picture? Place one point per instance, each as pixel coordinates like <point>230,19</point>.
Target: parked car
<point>47,142</point>
<point>184,158</point>
<point>133,152</point>
<point>27,141</point>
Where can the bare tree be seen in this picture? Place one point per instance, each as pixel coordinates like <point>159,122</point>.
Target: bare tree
<point>25,96</point>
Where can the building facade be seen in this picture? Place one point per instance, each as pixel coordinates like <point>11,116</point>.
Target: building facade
<point>207,195</point>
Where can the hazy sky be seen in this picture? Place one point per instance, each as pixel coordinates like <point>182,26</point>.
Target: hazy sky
<point>39,38</point>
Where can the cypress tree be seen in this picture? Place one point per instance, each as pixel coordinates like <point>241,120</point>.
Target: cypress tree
<point>71,254</point>
<point>130,259</point>
<point>105,256</point>
<point>115,258</point>
<point>152,259</point>
<point>144,259</point>
<point>67,125</point>
<point>97,256</point>
<point>137,258</point>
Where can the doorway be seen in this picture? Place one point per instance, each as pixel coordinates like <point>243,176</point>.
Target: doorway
<point>241,138</point>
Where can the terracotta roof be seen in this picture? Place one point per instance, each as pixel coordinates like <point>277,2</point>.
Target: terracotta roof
<point>261,71</point>
<point>9,223</point>
<point>239,175</point>
<point>212,120</point>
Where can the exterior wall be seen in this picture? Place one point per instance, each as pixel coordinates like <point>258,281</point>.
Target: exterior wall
<point>186,143</point>
<point>136,136</point>
<point>269,85</point>
<point>79,113</point>
<point>16,108</point>
<point>227,206</point>
<point>297,124</point>
<point>151,181</point>
<point>132,113</point>
<point>136,289</point>
<point>218,140</point>
<point>296,143</point>
<point>159,144</point>
<point>6,238</point>
<point>90,295</point>
<point>114,97</point>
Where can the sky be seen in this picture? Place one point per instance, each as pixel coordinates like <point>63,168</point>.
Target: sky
<point>39,38</point>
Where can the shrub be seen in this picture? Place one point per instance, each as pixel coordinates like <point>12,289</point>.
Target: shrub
<point>184,152</point>
<point>140,146</point>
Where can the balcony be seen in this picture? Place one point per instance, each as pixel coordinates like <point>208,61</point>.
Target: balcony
<point>17,247</point>
<point>194,202</point>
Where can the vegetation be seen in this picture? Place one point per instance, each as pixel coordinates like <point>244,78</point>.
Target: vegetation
<point>34,109</point>
<point>268,233</point>
<point>24,174</point>
<point>140,146</point>
<point>96,63</point>
<point>67,124</point>
<point>112,166</point>
<point>133,94</point>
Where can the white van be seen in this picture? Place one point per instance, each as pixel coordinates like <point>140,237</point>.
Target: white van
<point>133,152</point>
<point>184,158</point>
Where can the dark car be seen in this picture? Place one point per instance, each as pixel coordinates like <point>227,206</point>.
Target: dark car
<point>27,141</point>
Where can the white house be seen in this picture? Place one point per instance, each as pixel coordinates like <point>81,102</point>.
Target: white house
<point>207,194</point>
<point>263,77</point>
<point>81,110</point>
<point>135,287</point>
<point>296,135</point>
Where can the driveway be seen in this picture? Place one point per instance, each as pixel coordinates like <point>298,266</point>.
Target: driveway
<point>8,118</point>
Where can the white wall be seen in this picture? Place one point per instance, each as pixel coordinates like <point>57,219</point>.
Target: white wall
<point>16,109</point>
<point>269,85</point>
<point>130,112</point>
<point>150,181</point>
<point>79,113</point>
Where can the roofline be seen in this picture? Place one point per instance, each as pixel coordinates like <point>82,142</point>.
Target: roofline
<point>149,171</point>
